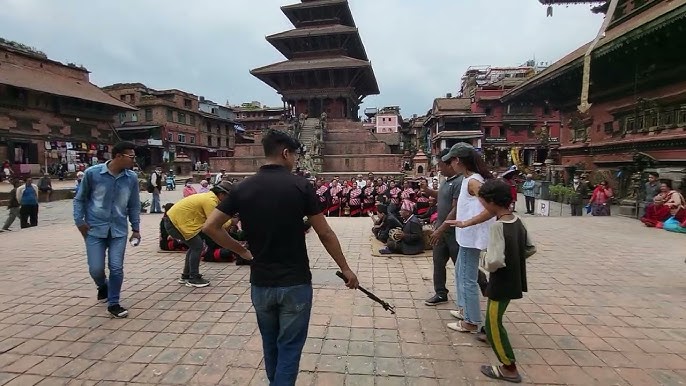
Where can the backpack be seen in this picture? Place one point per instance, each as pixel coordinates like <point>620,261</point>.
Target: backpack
<point>150,188</point>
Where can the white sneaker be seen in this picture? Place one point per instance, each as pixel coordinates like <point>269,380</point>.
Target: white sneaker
<point>457,314</point>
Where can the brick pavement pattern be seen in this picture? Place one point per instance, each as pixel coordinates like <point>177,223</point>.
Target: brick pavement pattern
<point>605,307</point>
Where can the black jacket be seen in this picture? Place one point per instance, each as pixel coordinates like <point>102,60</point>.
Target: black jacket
<point>413,242</point>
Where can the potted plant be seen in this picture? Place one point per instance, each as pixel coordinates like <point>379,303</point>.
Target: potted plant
<point>144,206</point>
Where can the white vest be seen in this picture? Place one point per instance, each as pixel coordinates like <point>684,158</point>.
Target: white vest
<point>468,206</point>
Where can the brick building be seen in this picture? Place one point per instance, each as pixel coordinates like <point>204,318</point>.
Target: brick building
<point>525,133</point>
<point>50,113</point>
<point>451,120</point>
<point>170,125</point>
<point>633,103</point>
<point>254,116</point>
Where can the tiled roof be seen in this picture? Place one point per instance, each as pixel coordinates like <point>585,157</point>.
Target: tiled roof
<point>311,64</point>
<point>314,31</point>
<point>51,83</point>
<point>575,58</point>
<point>451,104</point>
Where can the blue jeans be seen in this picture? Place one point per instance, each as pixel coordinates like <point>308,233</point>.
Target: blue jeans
<point>155,207</point>
<point>466,276</point>
<point>283,315</point>
<point>95,251</point>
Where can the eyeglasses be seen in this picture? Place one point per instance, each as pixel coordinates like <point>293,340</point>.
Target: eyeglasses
<point>132,156</point>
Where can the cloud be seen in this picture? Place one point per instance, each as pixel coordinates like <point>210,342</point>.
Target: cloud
<point>419,49</point>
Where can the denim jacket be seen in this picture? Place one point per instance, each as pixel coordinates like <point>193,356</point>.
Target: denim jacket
<point>104,202</point>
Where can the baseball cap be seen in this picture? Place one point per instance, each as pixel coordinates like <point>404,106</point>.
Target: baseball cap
<point>460,149</point>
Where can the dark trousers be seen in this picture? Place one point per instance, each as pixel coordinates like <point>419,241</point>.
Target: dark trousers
<point>28,216</point>
<point>577,209</point>
<point>191,267</point>
<point>283,316</point>
<point>530,204</point>
<point>446,249</point>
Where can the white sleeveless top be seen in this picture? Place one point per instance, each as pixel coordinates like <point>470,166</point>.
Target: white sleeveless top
<point>468,206</point>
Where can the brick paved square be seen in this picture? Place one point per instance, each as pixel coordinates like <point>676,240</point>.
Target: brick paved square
<point>602,308</point>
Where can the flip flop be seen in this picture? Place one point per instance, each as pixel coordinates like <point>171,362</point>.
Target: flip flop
<point>494,372</point>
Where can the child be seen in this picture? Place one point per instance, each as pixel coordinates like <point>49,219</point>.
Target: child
<point>508,248</point>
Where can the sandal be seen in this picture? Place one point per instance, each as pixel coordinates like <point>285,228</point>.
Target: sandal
<point>459,327</point>
<point>494,372</point>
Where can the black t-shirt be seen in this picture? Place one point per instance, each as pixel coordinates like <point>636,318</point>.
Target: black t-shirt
<point>272,204</point>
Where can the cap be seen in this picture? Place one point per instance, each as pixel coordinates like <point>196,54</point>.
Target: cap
<point>224,186</point>
<point>381,208</point>
<point>460,149</point>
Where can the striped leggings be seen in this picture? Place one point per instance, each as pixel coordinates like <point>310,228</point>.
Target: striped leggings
<point>496,332</point>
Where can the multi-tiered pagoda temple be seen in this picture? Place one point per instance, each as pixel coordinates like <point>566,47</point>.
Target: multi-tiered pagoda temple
<point>327,70</point>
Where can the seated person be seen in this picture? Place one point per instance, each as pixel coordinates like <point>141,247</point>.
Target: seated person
<point>168,243</point>
<point>384,223</point>
<point>188,189</point>
<point>656,213</point>
<point>409,241</point>
<point>215,253</point>
<point>425,217</point>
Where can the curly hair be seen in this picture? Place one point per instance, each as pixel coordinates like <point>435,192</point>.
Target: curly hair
<point>496,191</point>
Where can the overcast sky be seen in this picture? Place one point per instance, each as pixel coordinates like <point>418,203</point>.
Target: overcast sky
<point>419,48</point>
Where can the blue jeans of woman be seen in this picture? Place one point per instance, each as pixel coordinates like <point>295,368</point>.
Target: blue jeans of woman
<point>283,316</point>
<point>466,275</point>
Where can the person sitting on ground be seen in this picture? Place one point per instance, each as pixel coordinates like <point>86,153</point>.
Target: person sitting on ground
<point>408,241</point>
<point>168,243</point>
<point>674,201</point>
<point>384,223</point>
<point>425,218</point>
<point>45,186</point>
<point>189,190</point>
<point>656,213</point>
<point>204,187</point>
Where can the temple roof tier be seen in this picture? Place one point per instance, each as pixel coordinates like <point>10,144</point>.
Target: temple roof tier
<point>319,12</point>
<point>320,73</point>
<point>310,41</point>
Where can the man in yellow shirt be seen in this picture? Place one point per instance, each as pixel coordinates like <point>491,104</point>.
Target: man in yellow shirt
<point>185,220</point>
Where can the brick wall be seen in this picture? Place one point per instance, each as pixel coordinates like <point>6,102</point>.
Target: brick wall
<point>356,147</point>
<point>12,57</point>
<point>363,163</point>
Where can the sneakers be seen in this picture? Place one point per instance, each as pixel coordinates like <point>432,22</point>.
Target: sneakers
<point>102,294</point>
<point>197,282</point>
<point>183,279</point>
<point>118,311</point>
<point>436,300</point>
<point>457,314</point>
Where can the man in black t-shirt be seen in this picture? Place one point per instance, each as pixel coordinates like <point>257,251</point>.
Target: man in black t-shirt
<point>272,204</point>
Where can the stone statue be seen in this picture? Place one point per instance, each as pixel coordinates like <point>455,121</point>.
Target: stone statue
<point>323,117</point>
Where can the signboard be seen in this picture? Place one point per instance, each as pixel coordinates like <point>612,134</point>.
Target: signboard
<point>496,140</point>
<point>154,142</point>
<point>543,208</point>
<point>554,139</point>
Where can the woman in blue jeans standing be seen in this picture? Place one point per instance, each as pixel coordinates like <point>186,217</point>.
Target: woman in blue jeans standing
<point>473,226</point>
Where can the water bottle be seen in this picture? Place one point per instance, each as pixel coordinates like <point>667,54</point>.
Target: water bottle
<point>135,242</point>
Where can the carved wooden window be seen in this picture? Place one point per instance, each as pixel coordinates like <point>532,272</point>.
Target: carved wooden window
<point>667,118</point>
<point>651,119</point>
<point>630,124</point>
<point>608,127</point>
<point>682,116</point>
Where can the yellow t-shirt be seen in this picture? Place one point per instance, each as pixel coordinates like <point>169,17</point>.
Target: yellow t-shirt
<point>190,214</point>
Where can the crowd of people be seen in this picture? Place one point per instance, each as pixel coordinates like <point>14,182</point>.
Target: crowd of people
<point>261,221</point>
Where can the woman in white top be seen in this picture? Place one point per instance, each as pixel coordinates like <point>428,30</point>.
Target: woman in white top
<point>472,222</point>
